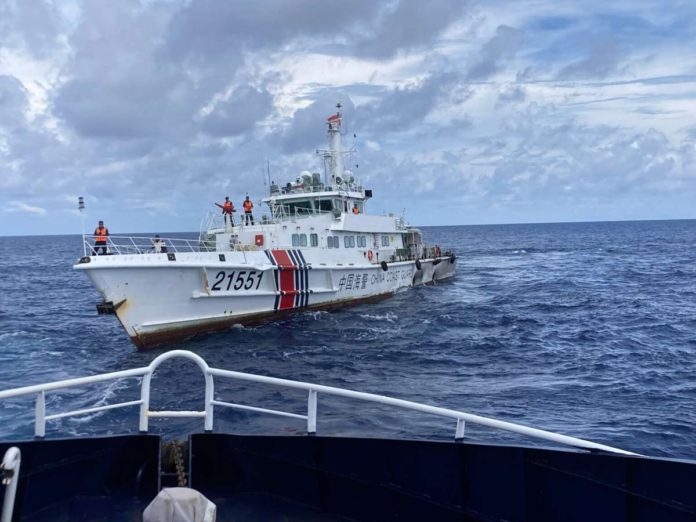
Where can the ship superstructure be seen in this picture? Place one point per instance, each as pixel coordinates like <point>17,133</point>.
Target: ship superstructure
<point>317,247</point>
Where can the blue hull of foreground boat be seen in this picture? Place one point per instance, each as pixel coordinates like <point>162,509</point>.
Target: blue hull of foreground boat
<point>334,478</point>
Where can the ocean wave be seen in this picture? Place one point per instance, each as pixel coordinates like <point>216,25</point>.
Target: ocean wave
<point>9,335</point>
<point>390,317</point>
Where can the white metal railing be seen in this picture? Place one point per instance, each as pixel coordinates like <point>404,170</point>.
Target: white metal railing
<point>313,391</point>
<point>10,477</point>
<point>124,245</point>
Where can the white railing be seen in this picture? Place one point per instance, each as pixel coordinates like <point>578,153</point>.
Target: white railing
<point>123,245</point>
<point>215,222</point>
<point>10,477</point>
<point>279,214</point>
<point>313,391</point>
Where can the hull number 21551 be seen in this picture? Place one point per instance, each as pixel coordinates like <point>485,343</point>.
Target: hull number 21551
<point>244,279</point>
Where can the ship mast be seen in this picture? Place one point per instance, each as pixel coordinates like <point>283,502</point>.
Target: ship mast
<point>335,153</point>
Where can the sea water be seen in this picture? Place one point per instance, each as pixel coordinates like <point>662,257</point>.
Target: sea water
<point>588,329</point>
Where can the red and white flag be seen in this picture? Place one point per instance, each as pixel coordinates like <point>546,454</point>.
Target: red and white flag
<point>334,118</point>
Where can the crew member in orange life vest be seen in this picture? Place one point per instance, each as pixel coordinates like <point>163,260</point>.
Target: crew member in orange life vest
<point>101,234</point>
<point>227,210</point>
<point>248,205</point>
<point>356,210</point>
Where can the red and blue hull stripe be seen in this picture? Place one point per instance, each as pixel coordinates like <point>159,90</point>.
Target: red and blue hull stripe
<point>291,276</point>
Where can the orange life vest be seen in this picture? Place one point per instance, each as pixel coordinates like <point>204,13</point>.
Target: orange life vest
<point>227,207</point>
<point>356,210</point>
<point>101,233</point>
<point>248,205</point>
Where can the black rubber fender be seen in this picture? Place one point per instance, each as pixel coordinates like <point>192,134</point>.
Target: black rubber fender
<point>436,261</point>
<point>453,258</point>
<point>418,264</point>
<point>384,266</point>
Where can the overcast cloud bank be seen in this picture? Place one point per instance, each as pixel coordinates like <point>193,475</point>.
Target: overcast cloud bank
<point>465,112</point>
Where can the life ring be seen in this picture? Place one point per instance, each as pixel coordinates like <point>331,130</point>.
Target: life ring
<point>384,266</point>
<point>418,264</point>
<point>369,255</point>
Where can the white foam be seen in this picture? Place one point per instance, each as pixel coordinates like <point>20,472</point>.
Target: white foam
<point>389,316</point>
<point>12,334</point>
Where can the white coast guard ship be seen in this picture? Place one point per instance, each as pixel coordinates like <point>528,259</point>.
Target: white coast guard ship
<point>317,249</point>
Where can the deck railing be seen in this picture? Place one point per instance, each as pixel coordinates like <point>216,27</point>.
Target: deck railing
<point>11,463</point>
<point>280,214</point>
<point>124,245</point>
<point>313,392</point>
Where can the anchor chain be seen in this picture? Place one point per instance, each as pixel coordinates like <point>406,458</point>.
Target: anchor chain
<point>179,463</point>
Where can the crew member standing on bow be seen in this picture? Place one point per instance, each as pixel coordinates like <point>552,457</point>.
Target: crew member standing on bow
<point>227,211</point>
<point>248,205</point>
<point>101,238</point>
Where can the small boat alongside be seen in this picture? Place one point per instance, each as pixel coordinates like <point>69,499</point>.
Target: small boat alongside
<point>317,248</point>
<point>313,476</point>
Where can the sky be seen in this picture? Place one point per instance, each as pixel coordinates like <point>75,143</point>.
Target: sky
<point>459,112</point>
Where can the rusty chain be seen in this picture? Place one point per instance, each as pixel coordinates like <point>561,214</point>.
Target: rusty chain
<point>179,463</point>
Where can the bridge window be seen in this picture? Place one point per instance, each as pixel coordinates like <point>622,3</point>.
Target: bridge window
<point>385,241</point>
<point>313,240</point>
<point>349,241</point>
<point>324,205</point>
<point>362,241</point>
<point>332,241</point>
<point>303,239</point>
<point>296,240</point>
<point>302,207</point>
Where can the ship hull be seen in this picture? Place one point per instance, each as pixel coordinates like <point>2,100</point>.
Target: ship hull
<point>161,299</point>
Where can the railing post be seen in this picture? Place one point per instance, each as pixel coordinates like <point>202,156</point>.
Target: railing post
<point>10,466</point>
<point>312,413</point>
<point>145,404</point>
<point>459,434</point>
<point>209,396</point>
<point>40,417</point>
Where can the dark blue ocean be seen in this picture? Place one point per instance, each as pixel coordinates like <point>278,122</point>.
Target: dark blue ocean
<point>587,329</point>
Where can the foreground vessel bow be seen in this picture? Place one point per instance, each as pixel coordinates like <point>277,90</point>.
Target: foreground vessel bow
<point>295,477</point>
<point>318,249</point>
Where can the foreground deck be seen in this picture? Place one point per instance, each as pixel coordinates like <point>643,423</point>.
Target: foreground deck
<point>310,477</point>
<point>328,478</point>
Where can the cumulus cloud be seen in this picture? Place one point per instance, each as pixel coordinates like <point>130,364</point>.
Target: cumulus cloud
<point>409,24</point>
<point>403,107</point>
<point>32,26</point>
<point>239,112</point>
<point>114,86</point>
<point>207,32</point>
<point>511,94</point>
<point>13,102</point>
<point>501,47</point>
<point>307,128</point>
